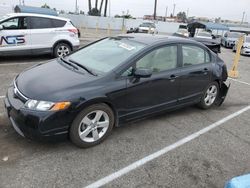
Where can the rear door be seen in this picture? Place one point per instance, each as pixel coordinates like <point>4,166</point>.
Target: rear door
<point>43,32</point>
<point>195,72</point>
<point>15,36</point>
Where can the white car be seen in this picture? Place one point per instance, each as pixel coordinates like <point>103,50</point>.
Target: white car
<point>25,34</point>
<point>147,27</point>
<point>203,35</point>
<point>245,50</point>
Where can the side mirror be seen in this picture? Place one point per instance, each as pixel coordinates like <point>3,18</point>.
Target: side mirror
<point>143,73</point>
<point>1,27</point>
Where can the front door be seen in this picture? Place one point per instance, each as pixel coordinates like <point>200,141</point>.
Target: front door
<point>15,36</point>
<point>161,90</point>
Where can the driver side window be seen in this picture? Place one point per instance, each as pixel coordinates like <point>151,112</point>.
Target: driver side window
<point>15,23</point>
<point>159,60</point>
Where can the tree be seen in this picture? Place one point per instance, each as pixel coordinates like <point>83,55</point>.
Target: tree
<point>90,6</point>
<point>182,16</point>
<point>106,7</point>
<point>45,6</point>
<point>94,12</point>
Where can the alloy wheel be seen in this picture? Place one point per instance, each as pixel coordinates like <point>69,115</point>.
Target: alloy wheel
<point>63,51</point>
<point>211,95</point>
<point>93,126</point>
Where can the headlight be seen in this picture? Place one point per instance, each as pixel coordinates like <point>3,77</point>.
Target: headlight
<point>46,105</point>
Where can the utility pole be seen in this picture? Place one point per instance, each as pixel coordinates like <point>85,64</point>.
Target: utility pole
<point>174,9</point>
<point>155,9</point>
<point>187,12</point>
<point>166,13</point>
<point>243,17</point>
<point>109,8</point>
<point>23,2</point>
<point>76,11</point>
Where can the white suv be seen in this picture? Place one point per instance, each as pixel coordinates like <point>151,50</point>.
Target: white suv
<point>24,34</point>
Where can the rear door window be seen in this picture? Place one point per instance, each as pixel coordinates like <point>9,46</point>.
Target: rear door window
<point>193,55</point>
<point>40,23</point>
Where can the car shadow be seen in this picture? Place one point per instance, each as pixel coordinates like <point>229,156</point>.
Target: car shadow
<point>24,59</point>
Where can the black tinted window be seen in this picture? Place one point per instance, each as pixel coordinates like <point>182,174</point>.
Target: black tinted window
<point>58,23</point>
<point>40,23</point>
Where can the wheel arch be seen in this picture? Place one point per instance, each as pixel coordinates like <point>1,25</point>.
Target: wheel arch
<point>62,41</point>
<point>99,100</point>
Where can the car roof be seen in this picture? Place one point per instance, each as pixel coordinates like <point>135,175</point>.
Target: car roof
<point>150,39</point>
<point>37,15</point>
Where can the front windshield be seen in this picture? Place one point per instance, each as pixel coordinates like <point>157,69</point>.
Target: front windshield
<point>4,17</point>
<point>106,54</point>
<point>234,35</point>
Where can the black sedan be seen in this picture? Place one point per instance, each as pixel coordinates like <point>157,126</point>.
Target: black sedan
<point>111,82</point>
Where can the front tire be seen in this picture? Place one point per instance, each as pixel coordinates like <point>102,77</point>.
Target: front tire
<point>61,49</point>
<point>92,125</point>
<point>209,96</point>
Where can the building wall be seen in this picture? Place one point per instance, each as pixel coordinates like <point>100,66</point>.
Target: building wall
<point>116,23</point>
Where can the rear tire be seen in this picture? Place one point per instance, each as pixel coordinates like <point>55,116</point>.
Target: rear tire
<point>92,125</point>
<point>209,96</point>
<point>61,49</point>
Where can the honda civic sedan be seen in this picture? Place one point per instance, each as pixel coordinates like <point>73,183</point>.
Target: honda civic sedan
<point>110,82</point>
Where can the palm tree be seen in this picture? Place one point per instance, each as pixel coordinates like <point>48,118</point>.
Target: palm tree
<point>106,7</point>
<point>96,3</point>
<point>90,6</point>
<point>100,9</point>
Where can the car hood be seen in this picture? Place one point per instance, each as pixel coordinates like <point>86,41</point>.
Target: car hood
<point>53,81</point>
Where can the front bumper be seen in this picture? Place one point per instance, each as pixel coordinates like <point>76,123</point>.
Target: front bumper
<point>222,94</point>
<point>36,125</point>
<point>245,51</point>
<point>230,44</point>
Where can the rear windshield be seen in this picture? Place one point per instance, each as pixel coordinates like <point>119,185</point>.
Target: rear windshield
<point>204,34</point>
<point>106,54</point>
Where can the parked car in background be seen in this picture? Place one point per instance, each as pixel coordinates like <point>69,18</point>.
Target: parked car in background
<point>203,35</point>
<point>182,32</point>
<point>229,39</point>
<point>147,27</point>
<point>212,44</point>
<point>245,50</point>
<point>111,82</point>
<point>25,34</point>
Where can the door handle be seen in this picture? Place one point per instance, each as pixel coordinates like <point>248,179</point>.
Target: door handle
<point>205,71</point>
<point>173,77</point>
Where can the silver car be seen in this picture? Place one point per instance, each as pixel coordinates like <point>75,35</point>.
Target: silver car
<point>229,39</point>
<point>245,50</point>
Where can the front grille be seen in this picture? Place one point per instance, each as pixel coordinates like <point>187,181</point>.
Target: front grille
<point>18,94</point>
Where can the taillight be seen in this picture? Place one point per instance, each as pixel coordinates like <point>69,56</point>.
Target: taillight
<point>75,31</point>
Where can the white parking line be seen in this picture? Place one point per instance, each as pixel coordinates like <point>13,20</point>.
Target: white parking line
<point>163,151</point>
<point>2,97</point>
<point>242,82</point>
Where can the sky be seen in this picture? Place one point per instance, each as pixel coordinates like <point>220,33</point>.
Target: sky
<point>226,9</point>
